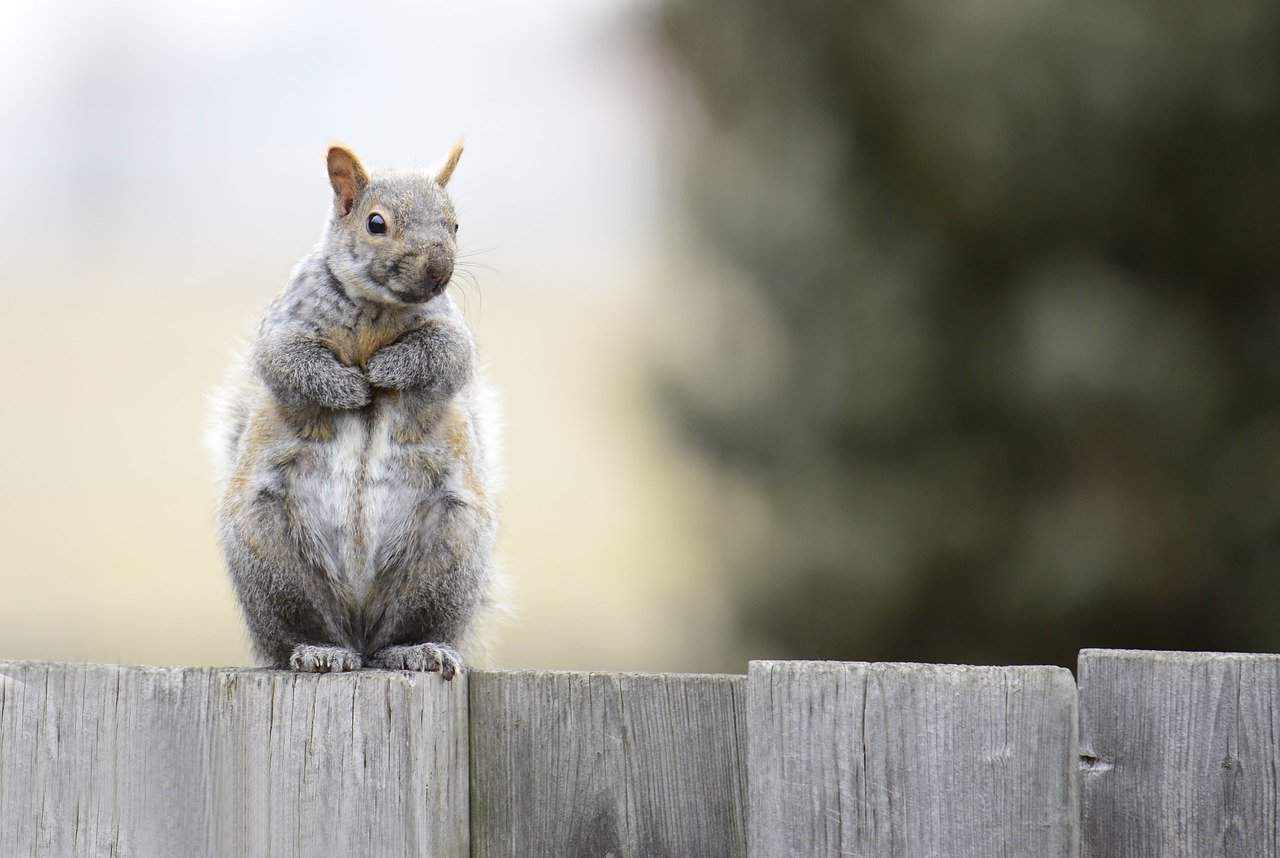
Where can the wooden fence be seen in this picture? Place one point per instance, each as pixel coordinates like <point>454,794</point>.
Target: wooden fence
<point>1152,754</point>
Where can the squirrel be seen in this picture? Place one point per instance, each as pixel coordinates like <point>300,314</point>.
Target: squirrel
<point>356,445</point>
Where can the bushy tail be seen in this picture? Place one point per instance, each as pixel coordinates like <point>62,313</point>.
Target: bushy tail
<point>229,407</point>
<point>496,610</point>
<point>486,417</point>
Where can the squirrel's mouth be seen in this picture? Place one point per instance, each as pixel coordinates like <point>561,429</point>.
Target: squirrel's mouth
<point>419,294</point>
<point>411,280</point>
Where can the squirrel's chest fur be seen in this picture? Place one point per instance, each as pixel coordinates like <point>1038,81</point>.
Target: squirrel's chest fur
<point>356,341</point>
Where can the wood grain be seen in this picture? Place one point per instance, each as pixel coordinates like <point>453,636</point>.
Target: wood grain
<point>101,760</point>
<point>619,765</point>
<point>911,760</point>
<point>1180,754</point>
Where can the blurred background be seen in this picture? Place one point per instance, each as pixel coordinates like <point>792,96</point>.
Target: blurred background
<point>880,330</point>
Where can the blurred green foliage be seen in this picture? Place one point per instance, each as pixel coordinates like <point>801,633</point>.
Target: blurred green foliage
<point>1016,266</point>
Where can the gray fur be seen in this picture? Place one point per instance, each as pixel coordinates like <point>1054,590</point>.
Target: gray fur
<point>435,360</point>
<point>356,460</point>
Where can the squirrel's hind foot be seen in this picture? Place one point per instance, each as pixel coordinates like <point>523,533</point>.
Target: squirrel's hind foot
<point>431,657</point>
<point>309,658</point>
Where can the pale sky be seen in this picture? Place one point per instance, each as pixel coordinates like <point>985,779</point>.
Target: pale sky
<point>141,124</point>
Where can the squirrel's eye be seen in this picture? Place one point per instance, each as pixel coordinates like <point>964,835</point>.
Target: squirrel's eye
<point>377,225</point>
<point>455,228</point>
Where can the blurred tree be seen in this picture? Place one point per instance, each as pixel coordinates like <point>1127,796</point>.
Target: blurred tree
<point>1016,266</point>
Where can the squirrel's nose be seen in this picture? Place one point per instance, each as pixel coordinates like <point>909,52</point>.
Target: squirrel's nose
<point>438,271</point>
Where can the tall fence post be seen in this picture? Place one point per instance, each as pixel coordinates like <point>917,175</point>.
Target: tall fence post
<point>99,760</point>
<point>1181,753</point>
<point>913,760</point>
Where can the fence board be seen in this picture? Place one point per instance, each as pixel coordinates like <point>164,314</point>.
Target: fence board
<point>100,760</point>
<point>911,760</point>
<point>618,765</point>
<point>1180,754</point>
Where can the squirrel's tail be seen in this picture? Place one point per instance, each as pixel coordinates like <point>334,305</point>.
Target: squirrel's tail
<point>486,416</point>
<point>495,610</point>
<point>229,407</point>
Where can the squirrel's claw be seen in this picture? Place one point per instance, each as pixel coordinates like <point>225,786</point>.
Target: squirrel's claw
<point>309,658</point>
<point>430,657</point>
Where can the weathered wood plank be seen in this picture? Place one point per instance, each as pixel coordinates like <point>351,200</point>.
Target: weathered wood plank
<point>99,760</point>
<point>619,765</point>
<point>911,760</point>
<point>1180,754</point>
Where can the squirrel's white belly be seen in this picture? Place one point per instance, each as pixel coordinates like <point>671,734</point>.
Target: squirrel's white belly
<point>357,502</point>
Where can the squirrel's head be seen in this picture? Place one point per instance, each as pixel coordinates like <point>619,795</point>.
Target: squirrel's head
<point>392,235</point>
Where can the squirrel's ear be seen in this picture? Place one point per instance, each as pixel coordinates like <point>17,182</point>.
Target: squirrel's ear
<point>446,170</point>
<point>347,176</point>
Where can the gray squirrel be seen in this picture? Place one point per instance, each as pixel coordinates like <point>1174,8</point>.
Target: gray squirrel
<point>356,446</point>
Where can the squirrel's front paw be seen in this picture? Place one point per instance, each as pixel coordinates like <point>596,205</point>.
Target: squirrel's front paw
<point>348,390</point>
<point>394,367</point>
<point>309,658</point>
<point>424,656</point>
